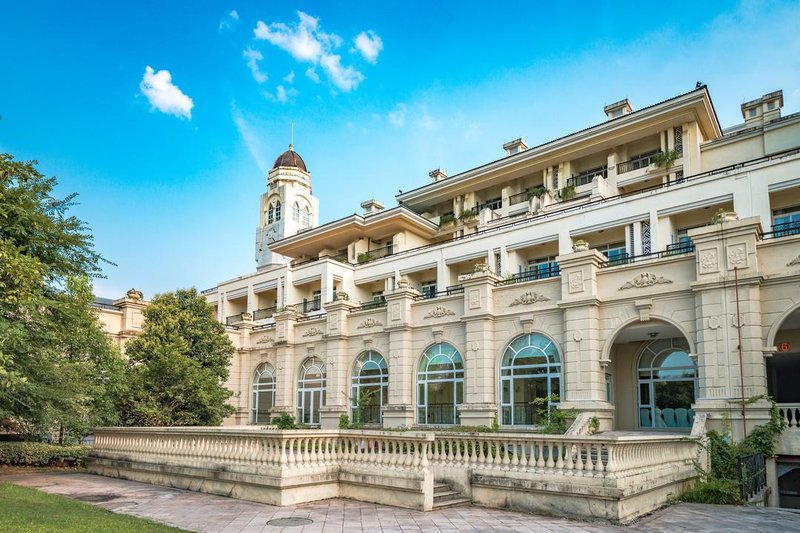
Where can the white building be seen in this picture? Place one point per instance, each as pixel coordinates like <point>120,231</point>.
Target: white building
<point>644,270</point>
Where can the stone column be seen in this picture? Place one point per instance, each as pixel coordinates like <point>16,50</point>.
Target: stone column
<point>480,374</point>
<point>338,359</point>
<point>286,367</point>
<point>239,370</point>
<point>727,277</point>
<point>583,372</point>
<point>400,410</point>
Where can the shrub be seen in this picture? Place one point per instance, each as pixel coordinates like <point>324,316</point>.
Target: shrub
<point>566,193</point>
<point>363,257</point>
<point>284,421</point>
<point>344,422</point>
<point>538,191</point>
<point>714,491</point>
<point>467,214</point>
<point>446,219</point>
<point>42,454</point>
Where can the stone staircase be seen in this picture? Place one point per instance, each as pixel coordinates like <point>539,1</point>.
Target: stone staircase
<point>444,496</point>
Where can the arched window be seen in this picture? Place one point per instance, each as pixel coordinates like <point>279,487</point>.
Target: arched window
<point>306,217</point>
<point>277,210</point>
<point>270,214</point>
<point>369,388</point>
<point>296,212</point>
<point>667,385</point>
<point>263,393</point>
<point>530,369</point>
<point>440,385</point>
<point>310,390</point>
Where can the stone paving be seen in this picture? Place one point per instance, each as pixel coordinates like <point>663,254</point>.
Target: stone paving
<point>209,513</point>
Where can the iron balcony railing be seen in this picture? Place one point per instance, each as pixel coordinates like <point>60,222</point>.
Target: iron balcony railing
<point>377,303</point>
<point>587,176</point>
<point>520,197</point>
<point>261,314</point>
<point>233,319</point>
<point>782,230</point>
<point>449,291</point>
<point>377,253</point>
<point>495,203</point>
<point>551,271</point>
<point>642,161</point>
<point>672,250</point>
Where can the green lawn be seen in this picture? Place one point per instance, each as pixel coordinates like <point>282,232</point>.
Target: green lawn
<point>29,510</point>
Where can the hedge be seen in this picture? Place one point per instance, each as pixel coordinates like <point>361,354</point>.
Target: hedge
<point>42,454</point>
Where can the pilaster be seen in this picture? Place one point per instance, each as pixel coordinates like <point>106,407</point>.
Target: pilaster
<point>400,411</point>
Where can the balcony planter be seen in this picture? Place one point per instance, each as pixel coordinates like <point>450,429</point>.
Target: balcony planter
<point>566,193</point>
<point>468,215</point>
<point>447,220</point>
<point>343,296</point>
<point>724,216</point>
<point>364,257</point>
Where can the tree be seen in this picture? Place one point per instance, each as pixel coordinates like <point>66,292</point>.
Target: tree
<point>178,364</point>
<point>58,371</point>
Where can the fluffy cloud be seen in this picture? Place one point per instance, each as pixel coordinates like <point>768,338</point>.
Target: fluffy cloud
<point>289,78</point>
<point>230,19</point>
<point>253,57</point>
<point>397,117</point>
<point>282,94</point>
<point>306,42</point>
<point>164,95</point>
<point>369,44</point>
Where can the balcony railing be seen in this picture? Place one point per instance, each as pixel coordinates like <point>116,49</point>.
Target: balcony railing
<point>229,321</point>
<point>587,176</point>
<point>753,474</point>
<point>782,230</point>
<point>261,314</point>
<point>376,303</point>
<point>533,274</point>
<point>678,248</point>
<point>449,291</point>
<point>377,253</point>
<point>494,204</point>
<point>643,161</point>
<point>790,412</point>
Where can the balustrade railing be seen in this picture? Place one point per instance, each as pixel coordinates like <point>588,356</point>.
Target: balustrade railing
<point>587,176</point>
<point>233,319</point>
<point>791,414</point>
<point>262,314</point>
<point>752,474</point>
<point>643,161</point>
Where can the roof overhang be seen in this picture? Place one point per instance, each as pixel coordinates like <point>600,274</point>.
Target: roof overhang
<point>338,234</point>
<point>694,106</point>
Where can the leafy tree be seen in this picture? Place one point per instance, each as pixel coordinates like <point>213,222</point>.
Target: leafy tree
<point>178,364</point>
<point>58,371</point>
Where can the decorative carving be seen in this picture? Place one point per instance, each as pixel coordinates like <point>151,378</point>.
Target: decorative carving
<point>708,260</point>
<point>474,298</point>
<point>795,261</point>
<point>266,340</point>
<point>395,310</point>
<point>737,255</point>
<point>527,325</point>
<point>370,323</point>
<point>645,279</point>
<point>313,332</point>
<point>713,322</point>
<point>529,298</point>
<point>333,322</point>
<point>644,307</point>
<point>576,281</point>
<point>578,336</point>
<point>439,311</point>
<point>580,246</point>
<point>133,294</point>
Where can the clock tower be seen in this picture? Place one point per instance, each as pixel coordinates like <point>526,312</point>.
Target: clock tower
<point>286,208</point>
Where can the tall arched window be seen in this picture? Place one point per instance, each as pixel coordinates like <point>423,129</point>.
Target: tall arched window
<point>270,214</point>
<point>306,217</point>
<point>440,385</point>
<point>277,210</point>
<point>296,212</point>
<point>369,388</point>
<point>667,385</point>
<point>310,390</point>
<point>263,393</point>
<point>530,369</point>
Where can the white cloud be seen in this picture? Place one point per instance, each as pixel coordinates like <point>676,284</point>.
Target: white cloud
<point>228,22</point>
<point>253,57</point>
<point>369,44</point>
<point>306,42</point>
<point>289,78</point>
<point>345,78</point>
<point>282,94</point>
<point>164,95</point>
<point>397,117</point>
<point>252,138</point>
<point>311,73</point>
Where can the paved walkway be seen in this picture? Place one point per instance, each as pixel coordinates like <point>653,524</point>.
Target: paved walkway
<point>208,513</point>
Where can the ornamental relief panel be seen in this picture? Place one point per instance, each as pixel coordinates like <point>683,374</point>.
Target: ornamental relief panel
<point>795,261</point>
<point>737,256</point>
<point>265,340</point>
<point>576,281</point>
<point>369,323</point>
<point>313,332</point>
<point>645,279</point>
<point>709,262</point>
<point>529,298</point>
<point>439,311</point>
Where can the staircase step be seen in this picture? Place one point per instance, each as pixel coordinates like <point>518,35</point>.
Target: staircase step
<point>451,503</point>
<point>441,487</point>
<point>444,496</point>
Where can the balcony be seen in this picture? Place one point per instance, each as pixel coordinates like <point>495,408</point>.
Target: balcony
<point>623,258</point>
<point>449,291</point>
<point>587,176</point>
<point>376,303</point>
<point>642,161</point>
<point>550,271</point>
<point>229,321</point>
<point>263,314</point>
<point>783,230</point>
<point>377,253</point>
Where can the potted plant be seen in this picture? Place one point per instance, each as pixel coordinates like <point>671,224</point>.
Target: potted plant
<point>538,191</point>
<point>566,193</point>
<point>363,257</point>
<point>468,214</point>
<point>447,218</point>
<point>666,159</point>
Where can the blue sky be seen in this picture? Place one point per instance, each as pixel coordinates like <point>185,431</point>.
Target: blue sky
<point>169,162</point>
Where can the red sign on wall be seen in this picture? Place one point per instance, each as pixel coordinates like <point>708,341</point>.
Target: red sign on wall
<point>784,347</point>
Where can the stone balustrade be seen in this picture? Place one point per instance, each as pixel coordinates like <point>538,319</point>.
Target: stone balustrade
<point>791,415</point>
<point>587,476</point>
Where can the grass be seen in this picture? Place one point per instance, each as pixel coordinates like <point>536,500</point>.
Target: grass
<point>29,510</point>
